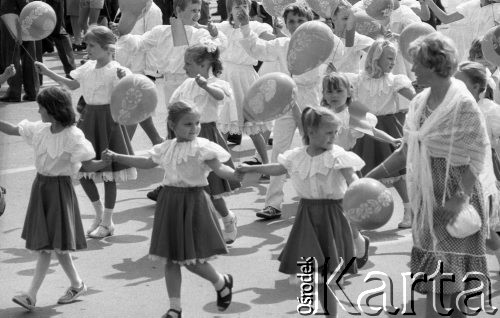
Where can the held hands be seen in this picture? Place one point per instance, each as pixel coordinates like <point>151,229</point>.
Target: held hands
<point>107,156</point>
<point>41,68</point>
<point>396,142</point>
<point>120,72</point>
<point>201,81</point>
<point>243,17</point>
<point>242,169</point>
<point>10,71</point>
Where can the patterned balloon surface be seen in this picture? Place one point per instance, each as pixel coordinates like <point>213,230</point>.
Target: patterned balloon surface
<point>133,99</point>
<point>311,44</point>
<point>410,34</point>
<point>270,97</point>
<point>379,9</point>
<point>322,7</point>
<point>368,204</point>
<point>490,45</point>
<point>367,25</point>
<point>276,7</point>
<point>38,21</point>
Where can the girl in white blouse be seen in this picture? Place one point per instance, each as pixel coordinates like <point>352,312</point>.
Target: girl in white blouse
<point>53,222</point>
<point>320,172</point>
<point>97,78</point>
<point>186,231</point>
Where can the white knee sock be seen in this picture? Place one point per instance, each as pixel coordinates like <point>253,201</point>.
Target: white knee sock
<point>359,244</point>
<point>99,208</point>
<point>175,304</point>
<point>106,217</point>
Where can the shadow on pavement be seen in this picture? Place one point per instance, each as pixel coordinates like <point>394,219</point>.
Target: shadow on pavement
<point>142,269</point>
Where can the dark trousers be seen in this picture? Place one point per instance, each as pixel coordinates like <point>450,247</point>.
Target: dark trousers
<point>61,38</point>
<point>11,53</point>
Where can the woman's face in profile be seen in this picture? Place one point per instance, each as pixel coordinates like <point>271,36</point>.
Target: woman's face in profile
<point>423,74</point>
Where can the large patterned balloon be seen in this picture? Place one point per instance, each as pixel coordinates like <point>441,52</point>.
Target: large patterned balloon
<point>379,9</point>
<point>276,7</point>
<point>270,97</point>
<point>410,34</point>
<point>490,45</point>
<point>131,11</point>
<point>133,99</point>
<point>368,204</point>
<point>367,25</point>
<point>38,21</point>
<point>311,44</point>
<point>322,7</point>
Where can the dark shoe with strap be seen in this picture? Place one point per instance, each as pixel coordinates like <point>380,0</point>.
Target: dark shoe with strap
<point>269,213</point>
<point>172,313</point>
<point>361,261</point>
<point>224,301</point>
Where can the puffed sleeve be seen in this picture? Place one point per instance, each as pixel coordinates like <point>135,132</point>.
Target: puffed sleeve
<point>28,129</point>
<point>347,159</point>
<point>79,147</point>
<point>259,27</point>
<point>157,151</point>
<point>289,157</point>
<point>210,150</point>
<point>78,73</point>
<point>402,81</point>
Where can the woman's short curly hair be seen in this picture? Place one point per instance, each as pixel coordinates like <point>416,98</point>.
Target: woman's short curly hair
<point>437,52</point>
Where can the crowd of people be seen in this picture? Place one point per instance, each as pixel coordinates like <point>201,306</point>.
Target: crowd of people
<point>432,133</point>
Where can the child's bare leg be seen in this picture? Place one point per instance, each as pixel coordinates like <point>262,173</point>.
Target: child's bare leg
<point>69,268</point>
<point>42,266</point>
<point>173,280</point>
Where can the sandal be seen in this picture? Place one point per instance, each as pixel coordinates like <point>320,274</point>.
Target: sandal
<point>224,301</point>
<point>362,261</point>
<point>172,313</point>
<point>24,301</point>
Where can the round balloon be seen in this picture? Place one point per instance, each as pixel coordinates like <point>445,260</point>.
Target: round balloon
<point>133,99</point>
<point>276,7</point>
<point>38,21</point>
<point>490,45</point>
<point>367,25</point>
<point>379,9</point>
<point>410,34</point>
<point>131,11</point>
<point>368,204</point>
<point>270,97</point>
<point>322,7</point>
<point>311,44</point>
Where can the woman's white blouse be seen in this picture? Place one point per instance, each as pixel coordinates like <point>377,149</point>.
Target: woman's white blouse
<point>319,177</point>
<point>59,154</point>
<point>184,162</point>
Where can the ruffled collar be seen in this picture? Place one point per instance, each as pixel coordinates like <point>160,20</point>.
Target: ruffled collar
<point>178,152</point>
<point>307,166</point>
<point>376,86</point>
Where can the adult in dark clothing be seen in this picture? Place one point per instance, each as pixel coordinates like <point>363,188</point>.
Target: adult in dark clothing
<point>22,58</point>
<point>167,9</point>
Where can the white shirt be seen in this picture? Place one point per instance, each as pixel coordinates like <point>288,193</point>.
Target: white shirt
<point>184,162</point>
<point>491,112</point>
<point>319,177</point>
<point>97,83</point>
<point>59,154</point>
<point>208,107</point>
<point>352,59</point>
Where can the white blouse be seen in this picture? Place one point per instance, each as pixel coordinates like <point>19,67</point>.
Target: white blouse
<point>380,95</point>
<point>235,53</point>
<point>347,136</point>
<point>319,177</point>
<point>56,154</point>
<point>97,83</point>
<point>184,162</point>
<point>208,106</point>
<point>491,112</point>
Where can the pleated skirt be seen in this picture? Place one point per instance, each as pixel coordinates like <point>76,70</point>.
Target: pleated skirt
<point>53,219</point>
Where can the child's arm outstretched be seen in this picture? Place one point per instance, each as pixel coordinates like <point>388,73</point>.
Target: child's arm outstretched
<point>443,16</point>
<point>44,70</point>
<point>141,162</point>
<point>214,91</point>
<point>8,73</point>
<point>272,169</point>
<point>382,136</point>
<point>223,171</point>
<point>9,129</point>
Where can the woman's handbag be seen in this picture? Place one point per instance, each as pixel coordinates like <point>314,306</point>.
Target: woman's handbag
<point>466,223</point>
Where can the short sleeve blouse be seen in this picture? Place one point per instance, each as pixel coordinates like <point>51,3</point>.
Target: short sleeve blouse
<point>184,162</point>
<point>97,83</point>
<point>319,177</point>
<point>56,154</point>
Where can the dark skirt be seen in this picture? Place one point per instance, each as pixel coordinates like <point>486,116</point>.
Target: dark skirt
<point>53,219</point>
<point>186,229</point>
<point>374,152</point>
<point>322,231</point>
<point>104,133</point>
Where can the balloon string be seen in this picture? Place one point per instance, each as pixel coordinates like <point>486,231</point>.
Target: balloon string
<point>13,53</point>
<point>31,57</point>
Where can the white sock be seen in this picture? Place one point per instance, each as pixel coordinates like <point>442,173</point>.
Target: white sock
<point>106,217</point>
<point>175,304</point>
<point>228,217</point>
<point>359,243</point>
<point>220,284</point>
<point>99,208</point>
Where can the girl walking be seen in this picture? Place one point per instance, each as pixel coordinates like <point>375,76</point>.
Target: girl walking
<point>208,94</point>
<point>379,89</point>
<point>97,78</point>
<point>320,172</point>
<point>53,222</point>
<point>186,231</point>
